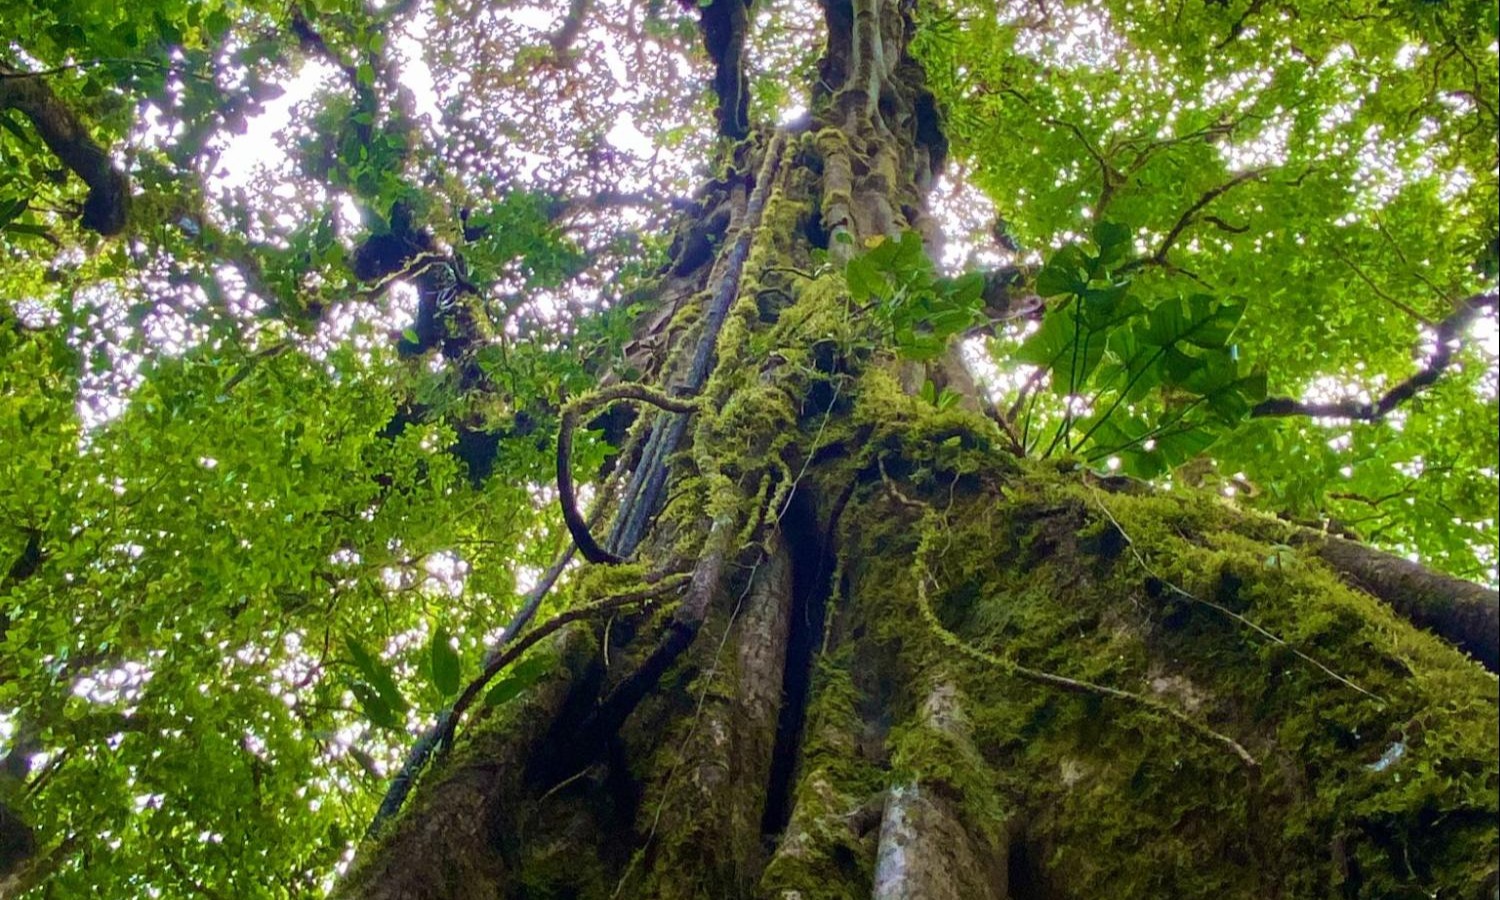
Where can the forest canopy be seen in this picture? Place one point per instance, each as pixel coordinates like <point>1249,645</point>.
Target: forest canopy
<point>294,298</point>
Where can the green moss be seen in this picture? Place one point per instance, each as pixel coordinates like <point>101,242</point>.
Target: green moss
<point>824,855</point>
<point>1121,801</point>
<point>935,747</point>
<point>703,817</point>
<point>1027,563</point>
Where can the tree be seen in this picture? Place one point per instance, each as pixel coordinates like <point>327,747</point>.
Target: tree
<point>293,484</point>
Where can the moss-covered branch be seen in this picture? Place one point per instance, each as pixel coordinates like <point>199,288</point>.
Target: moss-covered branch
<point>1460,611</point>
<point>107,206</point>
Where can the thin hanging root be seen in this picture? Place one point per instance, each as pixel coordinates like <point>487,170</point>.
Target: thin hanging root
<point>1224,610</point>
<point>644,596</point>
<point>440,737</point>
<point>566,494</point>
<point>1071,685</point>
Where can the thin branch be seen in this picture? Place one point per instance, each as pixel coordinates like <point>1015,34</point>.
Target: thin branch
<point>1190,216</point>
<point>1449,336</point>
<point>1238,28</point>
<point>1379,291</point>
<point>1415,271</point>
<point>1032,381</point>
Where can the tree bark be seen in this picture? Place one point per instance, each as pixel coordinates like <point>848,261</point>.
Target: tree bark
<point>1460,611</point>
<point>911,665</point>
<point>108,204</point>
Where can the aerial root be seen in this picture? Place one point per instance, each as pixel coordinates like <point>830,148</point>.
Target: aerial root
<point>566,493</point>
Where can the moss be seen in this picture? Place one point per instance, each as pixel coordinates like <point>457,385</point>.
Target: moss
<point>1152,595</point>
<point>1123,802</point>
<point>702,816</point>
<point>927,749</point>
<point>828,852</point>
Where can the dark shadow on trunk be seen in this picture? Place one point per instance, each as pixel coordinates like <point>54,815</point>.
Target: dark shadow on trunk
<point>812,566</point>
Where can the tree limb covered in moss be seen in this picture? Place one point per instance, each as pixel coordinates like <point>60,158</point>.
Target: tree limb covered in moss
<point>566,495</point>
<point>1074,685</point>
<point>1459,611</point>
<point>1223,610</point>
<point>650,476</point>
<point>107,206</point>
<point>1449,337</point>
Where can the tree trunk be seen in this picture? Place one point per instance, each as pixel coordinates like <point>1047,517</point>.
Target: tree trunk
<point>909,664</point>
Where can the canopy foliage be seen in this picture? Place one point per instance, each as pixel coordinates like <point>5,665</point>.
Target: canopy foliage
<point>261,511</point>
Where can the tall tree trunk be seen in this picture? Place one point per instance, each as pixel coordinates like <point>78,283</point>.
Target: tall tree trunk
<point>909,664</point>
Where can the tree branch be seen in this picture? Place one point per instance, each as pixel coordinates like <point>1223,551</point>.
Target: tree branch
<point>1449,336</point>
<point>1191,216</point>
<point>108,204</point>
<point>1464,613</point>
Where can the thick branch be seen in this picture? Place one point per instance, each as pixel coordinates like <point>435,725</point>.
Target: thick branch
<point>572,26</point>
<point>1460,611</point>
<point>108,204</point>
<point>1450,336</point>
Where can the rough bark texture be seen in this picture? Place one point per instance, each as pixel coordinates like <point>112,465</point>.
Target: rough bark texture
<point>911,665</point>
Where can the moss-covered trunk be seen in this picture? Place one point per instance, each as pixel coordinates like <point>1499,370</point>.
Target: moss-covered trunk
<point>908,664</point>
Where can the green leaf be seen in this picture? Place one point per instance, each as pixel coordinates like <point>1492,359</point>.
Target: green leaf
<point>9,209</point>
<point>1064,273</point>
<point>444,666</point>
<point>1200,320</point>
<point>521,676</point>
<point>377,709</point>
<point>377,674</point>
<point>1069,352</point>
<point>864,280</point>
<point>1113,241</point>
